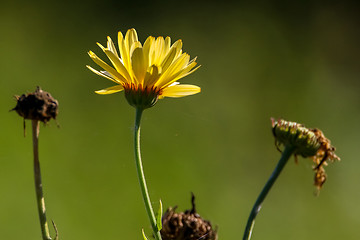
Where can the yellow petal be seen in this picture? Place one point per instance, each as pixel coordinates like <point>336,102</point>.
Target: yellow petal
<point>146,50</point>
<point>102,74</point>
<point>101,46</point>
<point>106,67</point>
<point>174,53</point>
<point>130,38</point>
<point>168,59</point>
<point>179,63</point>
<point>185,70</point>
<point>111,53</point>
<point>152,52</point>
<point>159,50</point>
<point>111,46</point>
<point>181,90</point>
<point>167,44</point>
<point>152,76</point>
<point>134,46</point>
<point>120,68</point>
<point>183,73</point>
<point>110,90</point>
<point>173,70</point>
<point>123,52</point>
<point>178,45</point>
<point>138,65</point>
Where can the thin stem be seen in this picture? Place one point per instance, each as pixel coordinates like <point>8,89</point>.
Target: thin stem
<point>257,206</point>
<point>38,184</point>
<point>141,176</point>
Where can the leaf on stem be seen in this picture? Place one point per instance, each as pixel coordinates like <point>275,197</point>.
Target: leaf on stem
<point>159,216</point>
<point>144,236</point>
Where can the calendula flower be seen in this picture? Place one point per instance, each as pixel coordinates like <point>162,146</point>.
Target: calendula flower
<point>145,72</point>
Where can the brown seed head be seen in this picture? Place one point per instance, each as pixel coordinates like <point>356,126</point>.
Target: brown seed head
<point>39,105</point>
<point>186,225</point>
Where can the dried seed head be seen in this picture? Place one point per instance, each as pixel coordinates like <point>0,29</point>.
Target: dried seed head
<point>38,105</point>
<point>186,225</point>
<point>308,142</point>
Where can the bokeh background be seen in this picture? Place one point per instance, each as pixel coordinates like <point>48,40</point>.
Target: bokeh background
<point>298,60</point>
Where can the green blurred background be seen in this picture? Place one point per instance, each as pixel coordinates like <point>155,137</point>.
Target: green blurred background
<point>298,60</point>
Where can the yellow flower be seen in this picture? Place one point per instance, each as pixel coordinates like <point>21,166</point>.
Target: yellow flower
<point>146,72</point>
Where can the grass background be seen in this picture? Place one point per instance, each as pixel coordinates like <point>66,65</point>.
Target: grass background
<point>297,60</point>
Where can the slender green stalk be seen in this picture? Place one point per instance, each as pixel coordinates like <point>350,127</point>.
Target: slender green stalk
<point>141,176</point>
<point>257,206</point>
<point>38,184</point>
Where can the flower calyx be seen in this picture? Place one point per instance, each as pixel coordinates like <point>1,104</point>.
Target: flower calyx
<point>141,97</point>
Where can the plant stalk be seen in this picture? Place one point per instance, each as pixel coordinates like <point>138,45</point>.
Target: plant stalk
<point>141,176</point>
<point>38,184</point>
<point>288,151</point>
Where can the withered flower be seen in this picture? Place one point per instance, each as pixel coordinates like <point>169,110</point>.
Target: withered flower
<point>308,142</point>
<point>298,140</point>
<point>186,225</point>
<point>39,105</point>
<point>325,153</point>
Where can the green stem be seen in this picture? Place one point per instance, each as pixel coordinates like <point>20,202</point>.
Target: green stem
<point>38,184</point>
<point>257,206</point>
<point>141,176</point>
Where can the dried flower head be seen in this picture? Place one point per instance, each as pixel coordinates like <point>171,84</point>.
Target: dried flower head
<point>186,225</point>
<point>325,153</point>
<point>308,142</point>
<point>145,72</point>
<point>39,105</point>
